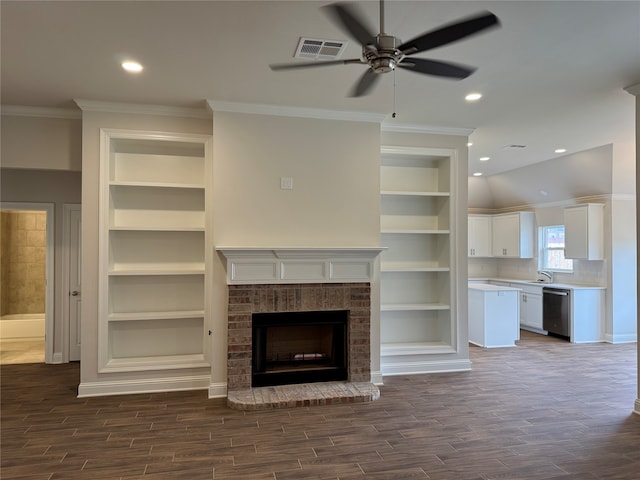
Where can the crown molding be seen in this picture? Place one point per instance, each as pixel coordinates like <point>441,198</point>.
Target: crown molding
<point>300,112</point>
<point>633,89</point>
<point>41,112</point>
<point>431,129</point>
<point>142,109</point>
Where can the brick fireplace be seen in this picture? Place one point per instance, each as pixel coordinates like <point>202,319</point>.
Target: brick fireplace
<point>300,280</point>
<point>245,300</point>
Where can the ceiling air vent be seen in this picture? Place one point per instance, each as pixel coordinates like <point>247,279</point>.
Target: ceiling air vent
<point>514,146</point>
<point>319,49</point>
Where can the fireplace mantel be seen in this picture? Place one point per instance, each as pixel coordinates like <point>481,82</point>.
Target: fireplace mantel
<point>266,265</point>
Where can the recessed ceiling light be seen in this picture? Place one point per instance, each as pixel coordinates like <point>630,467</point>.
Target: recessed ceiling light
<point>472,97</point>
<point>469,144</point>
<point>484,159</point>
<point>477,174</point>
<point>560,150</point>
<point>131,66</point>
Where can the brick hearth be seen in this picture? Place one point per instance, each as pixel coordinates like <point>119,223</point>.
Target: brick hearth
<point>245,300</point>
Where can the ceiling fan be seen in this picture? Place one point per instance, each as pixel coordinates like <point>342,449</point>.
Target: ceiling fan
<point>382,53</point>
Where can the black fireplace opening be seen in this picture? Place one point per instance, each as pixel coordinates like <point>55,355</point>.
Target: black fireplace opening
<point>299,347</point>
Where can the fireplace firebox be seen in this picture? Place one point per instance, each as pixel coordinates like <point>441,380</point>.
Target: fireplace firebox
<point>299,347</point>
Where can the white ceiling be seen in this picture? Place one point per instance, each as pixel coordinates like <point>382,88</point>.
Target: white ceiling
<point>552,76</point>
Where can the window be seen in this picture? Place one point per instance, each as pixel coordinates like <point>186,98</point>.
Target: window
<point>552,249</point>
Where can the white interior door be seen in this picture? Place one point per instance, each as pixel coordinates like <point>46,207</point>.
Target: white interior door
<point>74,230</point>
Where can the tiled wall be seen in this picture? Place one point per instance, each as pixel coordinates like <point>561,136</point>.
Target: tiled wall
<point>23,260</point>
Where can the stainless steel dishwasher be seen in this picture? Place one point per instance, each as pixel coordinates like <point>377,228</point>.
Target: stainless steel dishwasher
<point>556,310</point>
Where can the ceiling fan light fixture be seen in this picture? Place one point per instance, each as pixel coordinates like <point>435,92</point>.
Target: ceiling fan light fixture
<point>383,64</point>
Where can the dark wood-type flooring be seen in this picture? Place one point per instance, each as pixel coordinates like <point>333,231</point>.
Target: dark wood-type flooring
<point>546,409</point>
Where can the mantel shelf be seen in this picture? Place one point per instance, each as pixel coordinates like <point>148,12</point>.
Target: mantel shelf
<point>300,252</point>
<point>277,265</point>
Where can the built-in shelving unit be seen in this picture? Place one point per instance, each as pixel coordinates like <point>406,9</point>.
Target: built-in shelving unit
<point>154,266</point>
<point>416,281</point>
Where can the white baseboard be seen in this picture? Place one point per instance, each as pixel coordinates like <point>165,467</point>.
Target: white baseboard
<point>621,338</point>
<point>434,366</point>
<point>127,387</point>
<point>23,329</point>
<point>218,390</point>
<point>376,378</point>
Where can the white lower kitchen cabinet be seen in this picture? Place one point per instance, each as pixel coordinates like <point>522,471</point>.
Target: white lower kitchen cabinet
<point>493,315</point>
<point>530,307</point>
<point>587,315</point>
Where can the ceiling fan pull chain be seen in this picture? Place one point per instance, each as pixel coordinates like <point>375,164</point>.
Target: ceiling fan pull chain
<point>393,115</point>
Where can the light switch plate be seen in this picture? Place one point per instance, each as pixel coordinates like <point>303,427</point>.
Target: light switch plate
<point>286,183</point>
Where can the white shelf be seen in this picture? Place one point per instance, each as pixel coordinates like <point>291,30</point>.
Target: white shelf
<point>424,348</point>
<point>146,272</point>
<point>403,193</point>
<point>416,282</point>
<point>390,267</point>
<point>157,362</point>
<point>405,307</point>
<point>415,231</point>
<point>141,316</point>
<point>155,228</point>
<point>154,261</point>
<point>156,207</point>
<point>160,163</point>
<point>158,185</point>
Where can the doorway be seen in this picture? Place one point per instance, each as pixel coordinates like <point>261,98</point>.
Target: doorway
<point>26,282</point>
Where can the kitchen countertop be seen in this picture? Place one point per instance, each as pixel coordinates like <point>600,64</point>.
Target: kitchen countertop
<point>542,284</point>
<point>490,288</point>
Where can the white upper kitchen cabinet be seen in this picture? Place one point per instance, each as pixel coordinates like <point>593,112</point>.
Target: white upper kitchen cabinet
<point>584,231</point>
<point>479,236</point>
<point>513,235</point>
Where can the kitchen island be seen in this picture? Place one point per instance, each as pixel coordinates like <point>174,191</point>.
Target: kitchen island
<point>494,315</point>
<point>587,309</point>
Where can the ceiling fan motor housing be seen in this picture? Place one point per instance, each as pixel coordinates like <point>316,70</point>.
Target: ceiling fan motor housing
<point>384,56</point>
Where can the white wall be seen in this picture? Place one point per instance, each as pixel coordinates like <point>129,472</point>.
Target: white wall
<point>40,186</point>
<point>42,143</point>
<point>335,166</point>
<point>335,171</point>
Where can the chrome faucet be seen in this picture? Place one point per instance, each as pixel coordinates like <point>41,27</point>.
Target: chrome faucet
<point>549,275</point>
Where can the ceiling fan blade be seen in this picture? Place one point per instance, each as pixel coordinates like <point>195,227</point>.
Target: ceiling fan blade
<point>437,67</point>
<point>294,66</point>
<point>364,85</point>
<point>347,17</point>
<point>450,33</point>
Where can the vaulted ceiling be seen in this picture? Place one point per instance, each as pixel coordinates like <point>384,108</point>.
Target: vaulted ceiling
<point>552,76</point>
